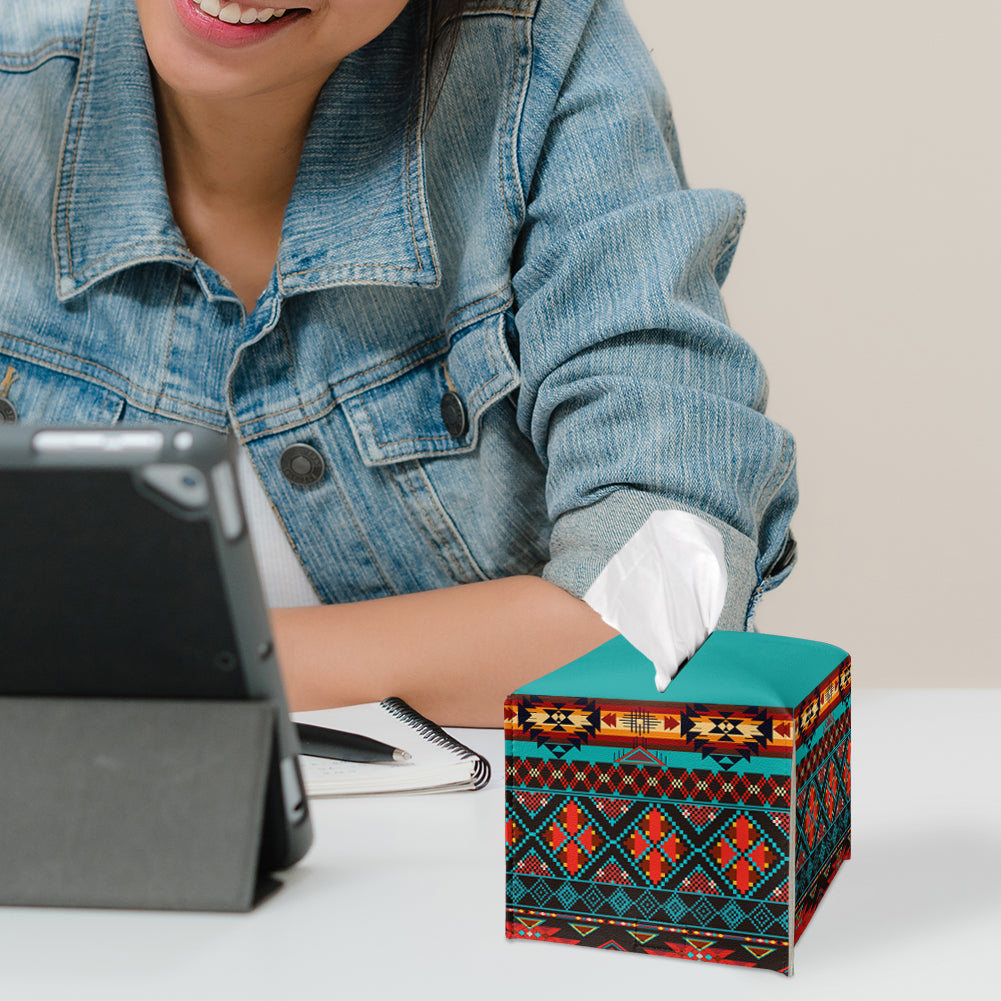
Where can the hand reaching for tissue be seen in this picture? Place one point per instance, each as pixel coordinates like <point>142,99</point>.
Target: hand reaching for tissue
<point>664,589</point>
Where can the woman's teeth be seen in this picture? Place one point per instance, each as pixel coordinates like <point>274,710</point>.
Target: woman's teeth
<point>234,13</point>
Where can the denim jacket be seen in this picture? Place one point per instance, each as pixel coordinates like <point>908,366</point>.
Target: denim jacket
<point>499,327</point>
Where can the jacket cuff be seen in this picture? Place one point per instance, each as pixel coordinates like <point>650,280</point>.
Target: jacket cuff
<point>585,539</point>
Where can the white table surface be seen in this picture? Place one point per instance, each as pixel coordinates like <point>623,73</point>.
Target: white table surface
<point>403,897</point>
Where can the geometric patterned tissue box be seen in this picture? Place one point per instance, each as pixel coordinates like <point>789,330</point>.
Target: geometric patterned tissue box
<point>704,822</point>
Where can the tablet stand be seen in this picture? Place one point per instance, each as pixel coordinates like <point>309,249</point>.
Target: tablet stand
<point>133,803</point>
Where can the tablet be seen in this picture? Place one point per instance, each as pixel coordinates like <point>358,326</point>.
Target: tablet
<point>127,572</point>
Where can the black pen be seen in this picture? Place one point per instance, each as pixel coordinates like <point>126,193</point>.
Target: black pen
<point>322,742</point>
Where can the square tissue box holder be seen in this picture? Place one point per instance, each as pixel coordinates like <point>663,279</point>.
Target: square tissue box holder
<point>705,822</point>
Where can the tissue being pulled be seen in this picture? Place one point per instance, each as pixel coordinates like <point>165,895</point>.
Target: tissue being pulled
<point>664,589</point>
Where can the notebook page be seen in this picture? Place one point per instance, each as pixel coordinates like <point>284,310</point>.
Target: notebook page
<point>433,767</point>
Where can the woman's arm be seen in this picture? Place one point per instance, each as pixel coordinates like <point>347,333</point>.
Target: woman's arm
<point>453,654</point>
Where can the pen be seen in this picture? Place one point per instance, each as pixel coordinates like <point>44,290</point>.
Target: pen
<point>322,742</point>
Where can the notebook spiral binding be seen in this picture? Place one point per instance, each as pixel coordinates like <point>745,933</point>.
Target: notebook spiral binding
<point>436,735</point>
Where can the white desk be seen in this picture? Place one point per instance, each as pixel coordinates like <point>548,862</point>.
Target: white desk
<point>404,898</point>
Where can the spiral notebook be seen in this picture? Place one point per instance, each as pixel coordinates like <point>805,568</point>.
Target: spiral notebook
<point>439,762</point>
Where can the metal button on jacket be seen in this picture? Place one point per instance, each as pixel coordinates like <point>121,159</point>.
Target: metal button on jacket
<point>453,413</point>
<point>302,465</point>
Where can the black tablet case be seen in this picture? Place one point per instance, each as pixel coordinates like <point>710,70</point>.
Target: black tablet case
<point>141,712</point>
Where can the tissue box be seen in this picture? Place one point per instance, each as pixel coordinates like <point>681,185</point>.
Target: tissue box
<point>705,822</point>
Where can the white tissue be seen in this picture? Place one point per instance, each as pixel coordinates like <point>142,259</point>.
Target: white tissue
<point>664,589</point>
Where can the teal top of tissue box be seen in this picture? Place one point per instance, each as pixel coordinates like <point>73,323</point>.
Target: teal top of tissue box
<point>730,668</point>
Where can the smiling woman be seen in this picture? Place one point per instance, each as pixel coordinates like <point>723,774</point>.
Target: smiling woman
<point>466,354</point>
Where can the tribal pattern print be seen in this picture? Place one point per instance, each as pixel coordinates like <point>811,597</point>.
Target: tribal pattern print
<point>670,828</point>
<point>725,734</point>
<point>823,797</point>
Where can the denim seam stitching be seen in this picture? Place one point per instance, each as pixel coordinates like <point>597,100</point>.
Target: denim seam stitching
<point>450,528</point>
<point>335,401</point>
<point>455,312</point>
<point>169,347</point>
<point>507,118</point>
<point>160,397</point>
<point>779,474</point>
<point>347,506</point>
<point>368,265</point>
<point>475,403</point>
<point>488,11</point>
<point>453,529</point>
<point>302,407</point>
<point>84,78</point>
<point>396,374</point>
<point>442,548</point>
<point>730,237</point>
<point>25,62</point>
<point>338,399</point>
<point>115,391</point>
<point>526,73</point>
<point>178,257</point>
<point>99,382</point>
<point>287,426</point>
<point>415,441</point>
<point>292,370</point>
<point>408,169</point>
<point>523,9</point>
<point>448,335</point>
<point>415,163</point>
<point>509,129</point>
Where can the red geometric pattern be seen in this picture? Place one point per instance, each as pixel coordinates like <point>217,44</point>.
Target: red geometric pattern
<point>834,734</point>
<point>826,796</point>
<point>571,839</point>
<point>612,808</point>
<point>700,876</point>
<point>811,818</point>
<point>823,807</point>
<point>622,779</point>
<point>671,847</point>
<point>655,846</point>
<point>532,865</point>
<point>612,872</point>
<point>512,832</point>
<point>745,856</point>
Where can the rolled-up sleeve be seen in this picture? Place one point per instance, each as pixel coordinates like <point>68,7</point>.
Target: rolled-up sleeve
<point>636,393</point>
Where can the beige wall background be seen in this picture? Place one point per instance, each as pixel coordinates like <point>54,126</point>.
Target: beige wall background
<point>865,138</point>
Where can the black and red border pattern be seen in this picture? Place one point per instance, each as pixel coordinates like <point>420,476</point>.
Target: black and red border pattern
<point>655,940</point>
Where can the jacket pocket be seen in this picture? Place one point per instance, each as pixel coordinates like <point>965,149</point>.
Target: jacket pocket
<point>433,406</point>
<point>39,393</point>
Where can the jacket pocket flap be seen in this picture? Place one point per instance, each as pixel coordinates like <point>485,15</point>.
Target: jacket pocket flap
<point>402,418</point>
<point>42,392</point>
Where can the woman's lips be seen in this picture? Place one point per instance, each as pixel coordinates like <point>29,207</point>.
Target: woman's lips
<point>248,28</point>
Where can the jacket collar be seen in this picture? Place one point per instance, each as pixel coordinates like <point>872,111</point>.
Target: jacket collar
<point>358,212</point>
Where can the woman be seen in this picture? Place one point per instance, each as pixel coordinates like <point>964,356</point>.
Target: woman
<point>442,277</point>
